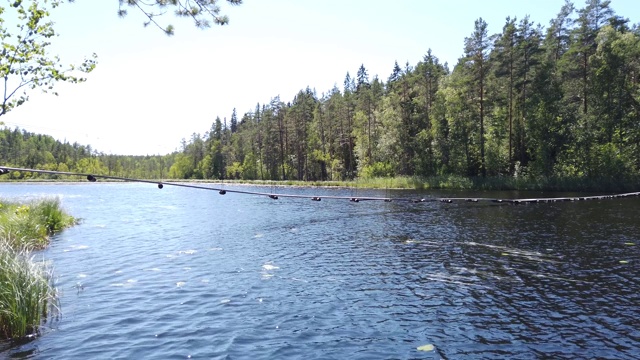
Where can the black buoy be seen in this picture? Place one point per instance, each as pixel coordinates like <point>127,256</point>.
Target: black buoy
<point>316,198</point>
<point>274,197</point>
<point>4,171</point>
<point>160,186</point>
<point>355,199</point>
<point>222,192</point>
<point>91,178</point>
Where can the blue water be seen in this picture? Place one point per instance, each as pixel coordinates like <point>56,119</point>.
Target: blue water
<point>180,273</point>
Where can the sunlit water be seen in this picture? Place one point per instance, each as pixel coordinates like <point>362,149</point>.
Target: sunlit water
<point>180,273</point>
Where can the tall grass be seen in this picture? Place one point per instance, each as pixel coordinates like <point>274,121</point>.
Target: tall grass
<point>29,225</point>
<point>28,296</point>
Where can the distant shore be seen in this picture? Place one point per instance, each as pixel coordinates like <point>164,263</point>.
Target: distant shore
<point>554,184</point>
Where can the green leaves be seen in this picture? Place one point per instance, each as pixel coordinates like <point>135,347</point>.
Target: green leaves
<point>203,12</point>
<point>24,61</point>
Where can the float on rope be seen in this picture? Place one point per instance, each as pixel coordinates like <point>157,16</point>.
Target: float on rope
<point>275,196</point>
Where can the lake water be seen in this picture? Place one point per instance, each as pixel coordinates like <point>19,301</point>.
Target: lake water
<point>180,273</point>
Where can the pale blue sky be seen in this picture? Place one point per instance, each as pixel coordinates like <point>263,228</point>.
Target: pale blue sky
<point>149,91</point>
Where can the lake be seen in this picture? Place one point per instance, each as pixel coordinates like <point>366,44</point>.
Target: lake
<point>182,273</point>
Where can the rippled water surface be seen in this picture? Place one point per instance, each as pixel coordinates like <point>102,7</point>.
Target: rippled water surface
<point>179,273</point>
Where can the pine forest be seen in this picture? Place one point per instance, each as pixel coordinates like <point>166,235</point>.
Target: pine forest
<point>555,101</point>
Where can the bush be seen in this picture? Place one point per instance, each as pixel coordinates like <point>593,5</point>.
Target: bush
<point>376,170</point>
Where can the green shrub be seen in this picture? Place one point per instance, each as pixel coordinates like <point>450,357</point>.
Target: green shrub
<point>378,169</point>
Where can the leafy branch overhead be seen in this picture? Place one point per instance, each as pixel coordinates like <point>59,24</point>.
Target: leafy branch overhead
<point>24,61</point>
<point>203,12</point>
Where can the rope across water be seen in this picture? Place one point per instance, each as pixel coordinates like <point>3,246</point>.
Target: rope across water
<point>276,196</point>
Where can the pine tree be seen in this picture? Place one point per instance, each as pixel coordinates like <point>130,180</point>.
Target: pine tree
<point>504,56</point>
<point>234,121</point>
<point>202,12</point>
<point>476,51</point>
<point>362,78</point>
<point>395,74</point>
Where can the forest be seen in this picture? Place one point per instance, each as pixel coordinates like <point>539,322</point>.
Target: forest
<point>561,101</point>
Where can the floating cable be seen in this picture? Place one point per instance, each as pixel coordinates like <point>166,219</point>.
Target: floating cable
<point>275,196</point>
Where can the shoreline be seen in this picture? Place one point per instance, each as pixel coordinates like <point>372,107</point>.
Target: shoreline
<point>402,183</point>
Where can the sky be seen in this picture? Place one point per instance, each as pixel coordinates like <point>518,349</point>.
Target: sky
<point>149,90</point>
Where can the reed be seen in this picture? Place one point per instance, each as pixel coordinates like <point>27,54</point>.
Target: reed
<point>29,225</point>
<point>28,297</point>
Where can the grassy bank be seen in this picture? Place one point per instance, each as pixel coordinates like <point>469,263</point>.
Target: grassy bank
<point>27,294</point>
<point>452,182</point>
<point>445,182</point>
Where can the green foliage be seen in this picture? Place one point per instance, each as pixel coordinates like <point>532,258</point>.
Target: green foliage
<point>250,167</point>
<point>28,226</point>
<point>202,12</point>
<point>377,170</point>
<point>519,106</point>
<point>54,218</point>
<point>235,171</point>
<point>182,168</point>
<point>24,61</point>
<point>606,161</point>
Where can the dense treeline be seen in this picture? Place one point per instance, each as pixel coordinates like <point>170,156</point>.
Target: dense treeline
<point>20,148</point>
<point>561,101</point>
